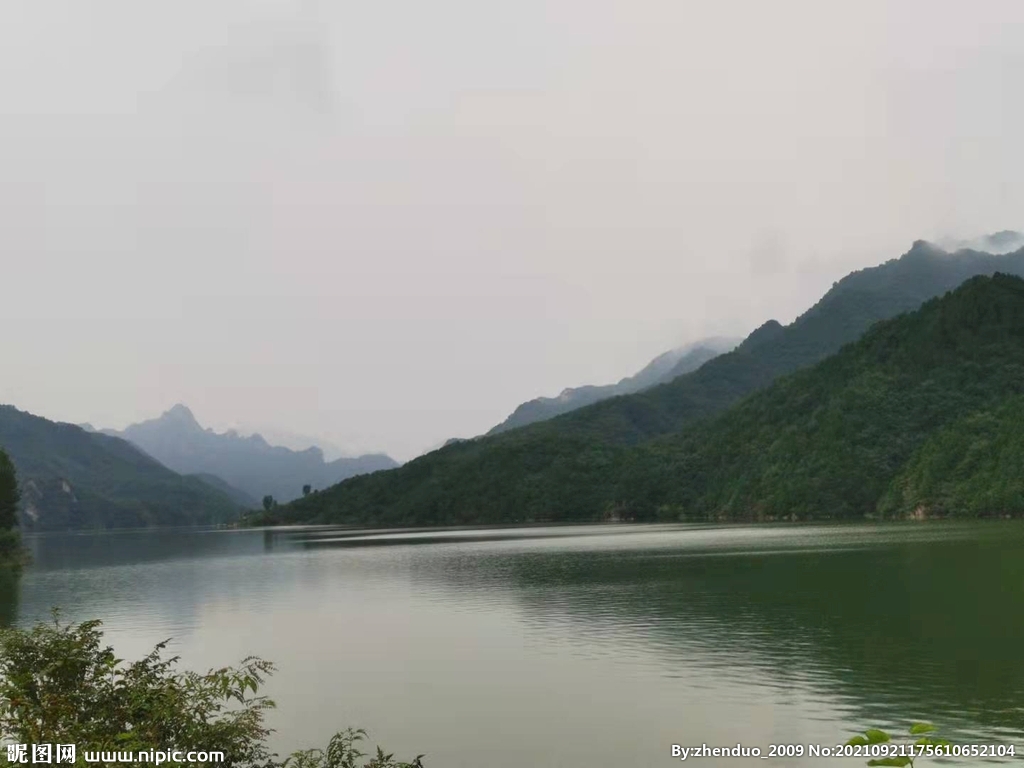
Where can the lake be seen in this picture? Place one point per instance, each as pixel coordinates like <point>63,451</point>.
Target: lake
<point>575,646</point>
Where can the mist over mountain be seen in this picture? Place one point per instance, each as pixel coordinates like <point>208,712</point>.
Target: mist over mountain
<point>664,367</point>
<point>1005,241</point>
<point>71,478</point>
<point>247,463</point>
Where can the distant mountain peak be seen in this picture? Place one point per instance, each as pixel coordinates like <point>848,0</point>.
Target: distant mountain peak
<point>767,332</point>
<point>180,413</point>
<point>246,463</point>
<point>924,248</point>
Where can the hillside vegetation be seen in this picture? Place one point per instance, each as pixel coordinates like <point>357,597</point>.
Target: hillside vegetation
<point>70,478</point>
<point>970,467</point>
<point>919,416</point>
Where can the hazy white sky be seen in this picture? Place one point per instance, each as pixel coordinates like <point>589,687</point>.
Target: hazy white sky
<point>388,223</point>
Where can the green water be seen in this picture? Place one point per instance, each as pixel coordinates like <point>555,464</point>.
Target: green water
<point>594,647</point>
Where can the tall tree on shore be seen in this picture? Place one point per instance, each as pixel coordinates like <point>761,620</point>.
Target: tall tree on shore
<point>9,494</point>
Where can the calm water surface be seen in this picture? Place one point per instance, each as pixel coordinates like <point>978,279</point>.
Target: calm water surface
<point>597,646</point>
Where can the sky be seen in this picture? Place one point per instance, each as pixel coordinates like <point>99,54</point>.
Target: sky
<point>386,224</point>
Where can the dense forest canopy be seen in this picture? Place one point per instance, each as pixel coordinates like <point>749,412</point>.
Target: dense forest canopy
<point>906,420</point>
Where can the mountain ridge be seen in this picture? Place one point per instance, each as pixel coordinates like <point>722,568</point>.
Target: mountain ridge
<point>664,367</point>
<point>247,463</point>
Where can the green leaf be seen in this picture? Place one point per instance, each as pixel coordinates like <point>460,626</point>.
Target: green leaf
<point>876,736</point>
<point>897,761</point>
<point>917,728</point>
<point>857,741</point>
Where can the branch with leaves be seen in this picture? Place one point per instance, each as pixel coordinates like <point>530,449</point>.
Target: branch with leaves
<point>873,736</point>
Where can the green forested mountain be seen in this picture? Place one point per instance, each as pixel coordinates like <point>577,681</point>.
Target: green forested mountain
<point>588,464</point>
<point>71,478</point>
<point>664,367</point>
<point>921,415</point>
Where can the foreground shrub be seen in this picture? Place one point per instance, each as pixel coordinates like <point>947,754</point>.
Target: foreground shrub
<point>60,685</point>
